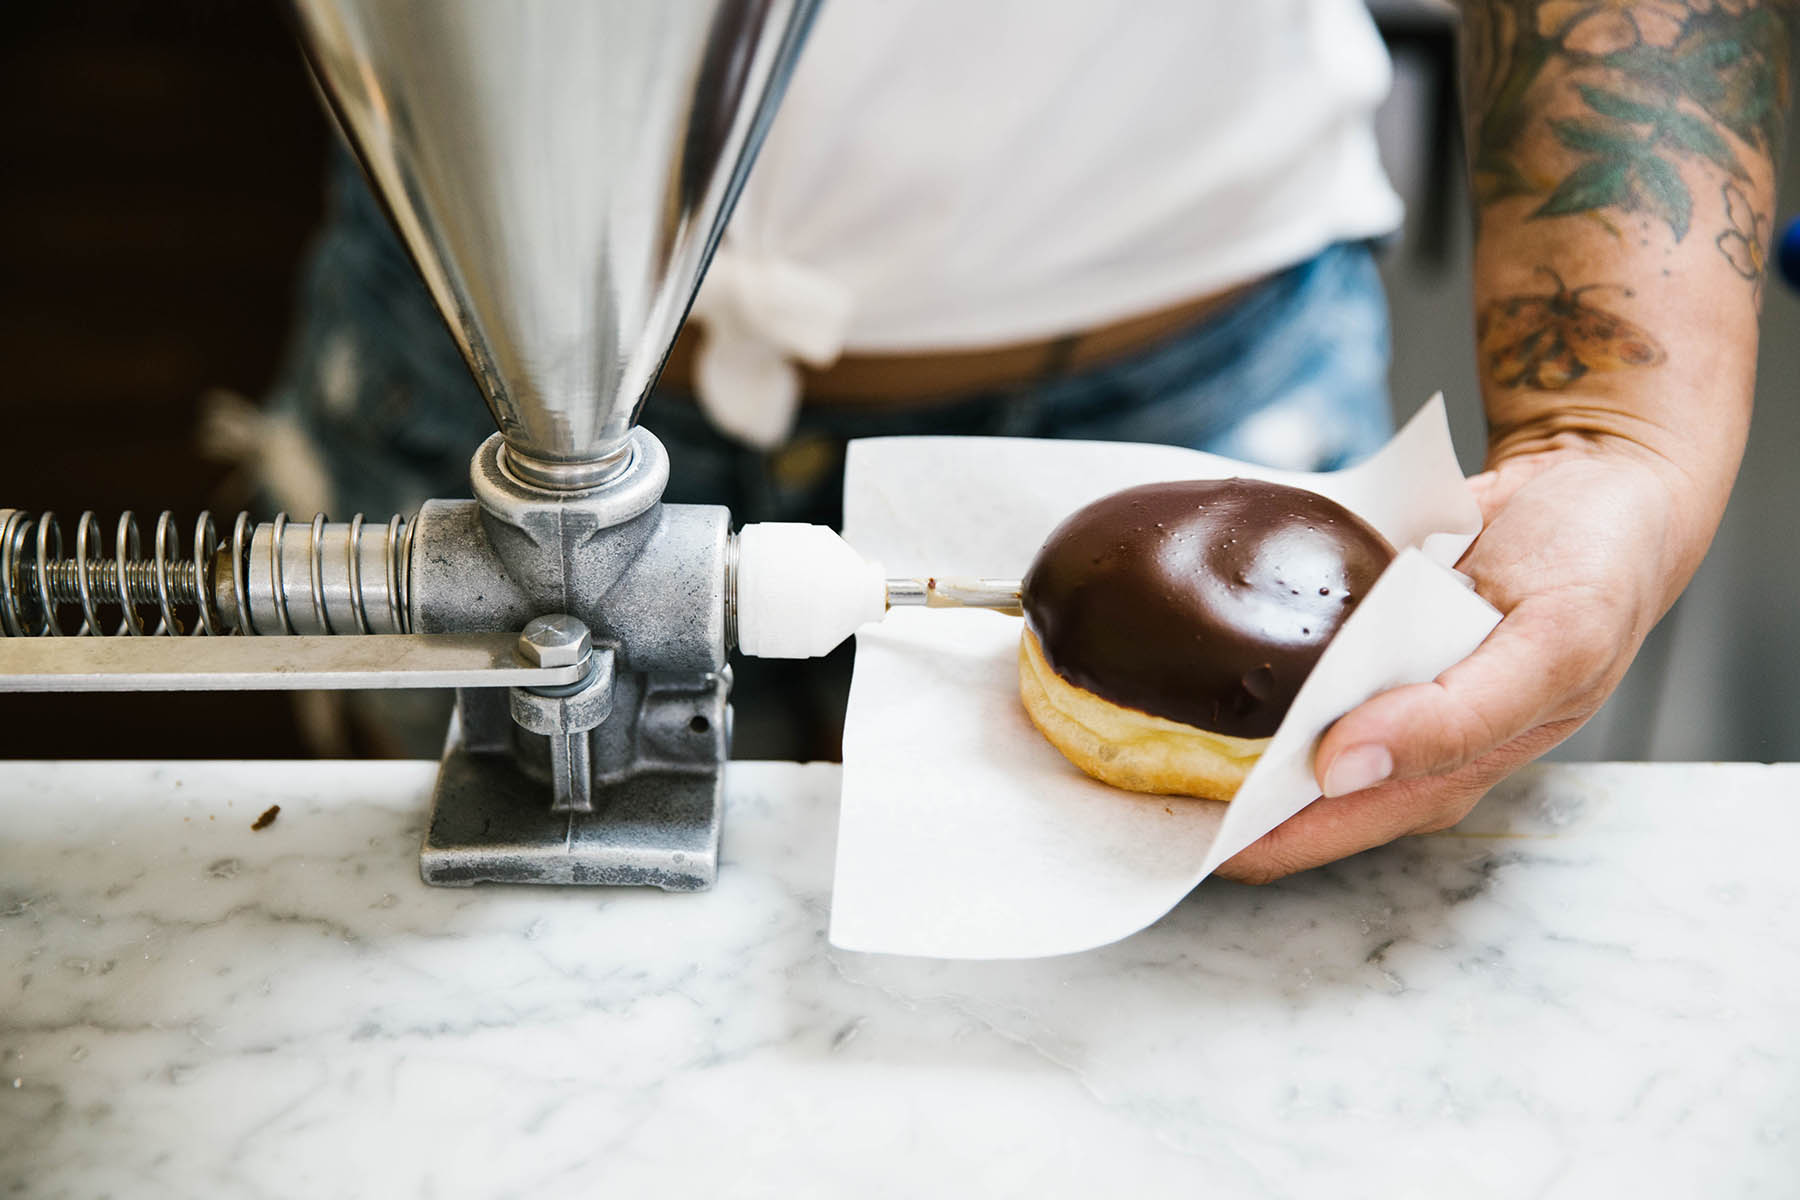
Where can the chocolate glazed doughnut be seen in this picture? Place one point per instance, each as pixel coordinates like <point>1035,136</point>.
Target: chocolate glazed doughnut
<point>1169,627</point>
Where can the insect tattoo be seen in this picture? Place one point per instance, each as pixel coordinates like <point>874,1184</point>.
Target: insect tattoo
<point>1548,340</point>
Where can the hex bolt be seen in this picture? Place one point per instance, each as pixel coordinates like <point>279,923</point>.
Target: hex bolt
<point>554,641</point>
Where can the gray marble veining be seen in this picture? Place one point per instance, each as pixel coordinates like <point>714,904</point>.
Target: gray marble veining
<point>1590,988</point>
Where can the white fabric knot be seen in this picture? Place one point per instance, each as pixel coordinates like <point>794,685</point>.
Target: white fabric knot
<point>757,317</point>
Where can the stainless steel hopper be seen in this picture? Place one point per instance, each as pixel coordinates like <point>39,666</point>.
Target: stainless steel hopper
<point>560,170</point>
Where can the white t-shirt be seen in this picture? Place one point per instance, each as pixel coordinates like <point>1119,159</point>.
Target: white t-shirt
<point>952,174</point>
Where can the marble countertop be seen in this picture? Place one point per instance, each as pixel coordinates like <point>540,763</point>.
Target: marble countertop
<point>1590,988</point>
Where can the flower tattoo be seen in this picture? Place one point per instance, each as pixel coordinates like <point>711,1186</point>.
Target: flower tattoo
<point>1743,245</point>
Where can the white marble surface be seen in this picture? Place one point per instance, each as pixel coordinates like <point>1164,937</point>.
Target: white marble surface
<point>1590,989</point>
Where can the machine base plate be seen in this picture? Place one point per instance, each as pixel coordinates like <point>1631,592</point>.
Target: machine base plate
<point>490,823</point>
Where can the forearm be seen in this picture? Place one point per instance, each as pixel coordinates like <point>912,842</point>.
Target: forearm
<point>1622,159</point>
<point>1622,156</point>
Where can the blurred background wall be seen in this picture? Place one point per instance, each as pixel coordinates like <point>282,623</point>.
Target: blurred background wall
<point>160,168</point>
<point>160,173</point>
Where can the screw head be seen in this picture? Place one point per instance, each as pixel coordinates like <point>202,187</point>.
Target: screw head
<point>555,641</point>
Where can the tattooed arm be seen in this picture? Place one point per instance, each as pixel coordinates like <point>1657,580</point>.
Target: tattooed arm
<point>1622,158</point>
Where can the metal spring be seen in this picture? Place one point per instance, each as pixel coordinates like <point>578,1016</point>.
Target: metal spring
<point>36,580</point>
<point>396,555</point>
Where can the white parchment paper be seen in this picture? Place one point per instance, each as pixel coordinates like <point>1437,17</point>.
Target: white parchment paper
<point>963,833</point>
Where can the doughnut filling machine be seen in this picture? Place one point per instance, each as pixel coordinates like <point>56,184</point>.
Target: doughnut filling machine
<point>560,173</point>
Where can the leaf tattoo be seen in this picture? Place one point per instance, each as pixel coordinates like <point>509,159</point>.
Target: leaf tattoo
<point>1550,340</point>
<point>1743,245</point>
<point>1658,82</point>
<point>1627,176</point>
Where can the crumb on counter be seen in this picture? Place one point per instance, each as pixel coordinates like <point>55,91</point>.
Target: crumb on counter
<point>267,819</point>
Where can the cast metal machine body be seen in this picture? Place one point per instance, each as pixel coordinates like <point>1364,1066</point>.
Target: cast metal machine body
<point>561,172</point>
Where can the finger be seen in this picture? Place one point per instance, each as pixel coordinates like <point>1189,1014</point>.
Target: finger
<point>1487,490</point>
<point>1493,487</point>
<point>1331,828</point>
<point>1527,672</point>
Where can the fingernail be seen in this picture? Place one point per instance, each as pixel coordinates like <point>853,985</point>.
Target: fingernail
<point>1357,768</point>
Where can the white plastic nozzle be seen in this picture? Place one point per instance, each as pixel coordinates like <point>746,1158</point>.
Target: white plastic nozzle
<point>801,590</point>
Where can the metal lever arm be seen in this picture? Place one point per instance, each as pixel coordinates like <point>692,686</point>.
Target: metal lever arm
<point>466,660</point>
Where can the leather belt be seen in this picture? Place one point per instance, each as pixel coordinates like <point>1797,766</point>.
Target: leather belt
<point>897,378</point>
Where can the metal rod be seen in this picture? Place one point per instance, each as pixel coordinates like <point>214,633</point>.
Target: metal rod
<point>1000,595</point>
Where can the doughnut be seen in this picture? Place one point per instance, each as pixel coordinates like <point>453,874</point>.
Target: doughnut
<point>1168,627</point>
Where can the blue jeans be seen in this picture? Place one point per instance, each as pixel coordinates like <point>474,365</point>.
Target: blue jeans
<point>1292,374</point>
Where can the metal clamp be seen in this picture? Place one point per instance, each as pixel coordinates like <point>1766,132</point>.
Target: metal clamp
<point>565,714</point>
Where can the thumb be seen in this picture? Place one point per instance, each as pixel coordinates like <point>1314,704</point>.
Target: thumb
<point>1520,677</point>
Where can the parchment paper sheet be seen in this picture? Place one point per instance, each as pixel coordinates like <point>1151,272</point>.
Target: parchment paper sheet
<point>963,833</point>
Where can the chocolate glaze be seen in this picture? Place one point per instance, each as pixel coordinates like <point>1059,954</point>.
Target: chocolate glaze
<point>1206,601</point>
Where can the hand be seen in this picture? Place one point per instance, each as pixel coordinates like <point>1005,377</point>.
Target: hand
<point>1587,542</point>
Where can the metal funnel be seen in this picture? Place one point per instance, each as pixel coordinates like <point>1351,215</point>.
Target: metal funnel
<point>560,170</point>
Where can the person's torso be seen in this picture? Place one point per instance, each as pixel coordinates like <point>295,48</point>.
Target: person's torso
<point>960,173</point>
